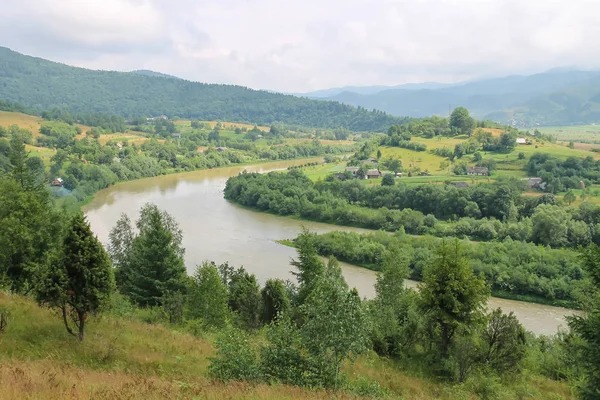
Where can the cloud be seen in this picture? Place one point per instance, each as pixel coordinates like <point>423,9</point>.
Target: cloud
<point>305,45</point>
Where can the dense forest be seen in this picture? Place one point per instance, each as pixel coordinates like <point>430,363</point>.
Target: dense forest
<point>41,84</point>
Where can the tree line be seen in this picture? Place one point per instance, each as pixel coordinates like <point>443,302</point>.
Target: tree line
<point>484,212</point>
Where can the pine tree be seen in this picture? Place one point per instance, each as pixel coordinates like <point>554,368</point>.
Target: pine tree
<point>78,279</point>
<point>156,263</point>
<point>452,296</point>
<point>309,265</point>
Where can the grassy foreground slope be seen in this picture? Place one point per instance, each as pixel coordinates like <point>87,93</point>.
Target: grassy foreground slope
<point>123,358</point>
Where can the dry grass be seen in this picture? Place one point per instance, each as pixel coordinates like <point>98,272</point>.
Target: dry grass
<point>22,121</point>
<point>127,359</point>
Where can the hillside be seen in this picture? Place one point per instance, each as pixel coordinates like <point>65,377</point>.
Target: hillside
<point>126,358</point>
<point>43,84</point>
<point>552,98</point>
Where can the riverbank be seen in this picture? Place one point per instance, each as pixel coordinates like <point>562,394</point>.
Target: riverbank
<point>571,306</point>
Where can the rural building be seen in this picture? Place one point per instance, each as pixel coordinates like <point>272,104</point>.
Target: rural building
<point>58,182</point>
<point>479,171</point>
<point>221,149</point>
<point>176,135</point>
<point>398,174</point>
<point>352,170</point>
<point>534,183</point>
<point>460,184</point>
<point>373,173</point>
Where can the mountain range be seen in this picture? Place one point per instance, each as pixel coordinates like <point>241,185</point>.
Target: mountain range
<point>42,84</point>
<point>555,97</point>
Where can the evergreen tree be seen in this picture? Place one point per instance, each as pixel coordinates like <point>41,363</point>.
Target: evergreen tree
<point>78,279</point>
<point>452,297</point>
<point>309,265</point>
<point>156,265</point>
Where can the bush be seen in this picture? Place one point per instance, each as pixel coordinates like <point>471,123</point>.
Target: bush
<point>235,358</point>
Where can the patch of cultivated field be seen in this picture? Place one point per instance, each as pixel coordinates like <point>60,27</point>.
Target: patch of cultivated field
<point>589,133</point>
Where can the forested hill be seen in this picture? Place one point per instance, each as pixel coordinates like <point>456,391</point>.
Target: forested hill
<point>43,84</point>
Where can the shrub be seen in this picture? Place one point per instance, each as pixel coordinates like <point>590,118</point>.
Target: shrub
<point>235,358</point>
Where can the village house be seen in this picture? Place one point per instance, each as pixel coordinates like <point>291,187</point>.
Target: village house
<point>352,170</point>
<point>58,182</point>
<point>534,183</point>
<point>176,135</point>
<point>479,171</point>
<point>373,174</point>
<point>156,118</point>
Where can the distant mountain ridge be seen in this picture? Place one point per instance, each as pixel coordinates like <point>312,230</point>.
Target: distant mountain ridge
<point>370,90</point>
<point>555,97</point>
<point>42,84</point>
<point>148,72</point>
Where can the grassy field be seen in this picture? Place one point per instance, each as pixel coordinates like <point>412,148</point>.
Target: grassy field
<point>21,120</point>
<point>582,133</point>
<point>129,359</point>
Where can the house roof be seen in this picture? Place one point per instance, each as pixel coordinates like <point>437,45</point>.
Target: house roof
<point>352,169</point>
<point>521,140</point>
<point>373,172</point>
<point>477,169</point>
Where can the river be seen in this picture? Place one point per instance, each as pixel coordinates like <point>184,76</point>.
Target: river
<point>217,230</point>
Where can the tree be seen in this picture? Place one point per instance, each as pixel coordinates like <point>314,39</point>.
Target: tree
<point>244,298</point>
<point>587,327</point>
<point>120,248</point>
<point>452,297</point>
<point>336,324</point>
<point>78,280</point>
<point>504,341</point>
<point>378,154</point>
<point>309,265</point>
<point>462,121</point>
<point>275,300</point>
<point>156,264</point>
<point>550,225</point>
<point>207,297</point>
<point>569,197</point>
<point>395,320</point>
<point>388,180</point>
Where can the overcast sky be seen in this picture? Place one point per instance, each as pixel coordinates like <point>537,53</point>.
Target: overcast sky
<point>293,45</point>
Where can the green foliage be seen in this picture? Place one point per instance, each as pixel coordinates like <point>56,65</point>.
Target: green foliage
<point>388,180</point>
<point>309,265</point>
<point>452,296</point>
<point>78,279</point>
<point>560,175</point>
<point>587,327</point>
<point>153,264</point>
<point>462,121</point>
<point>336,324</point>
<point>207,297</point>
<point>504,342</point>
<point>245,298</point>
<point>235,358</point>
<point>275,300</point>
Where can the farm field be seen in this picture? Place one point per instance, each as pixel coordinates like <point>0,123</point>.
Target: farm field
<point>577,133</point>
